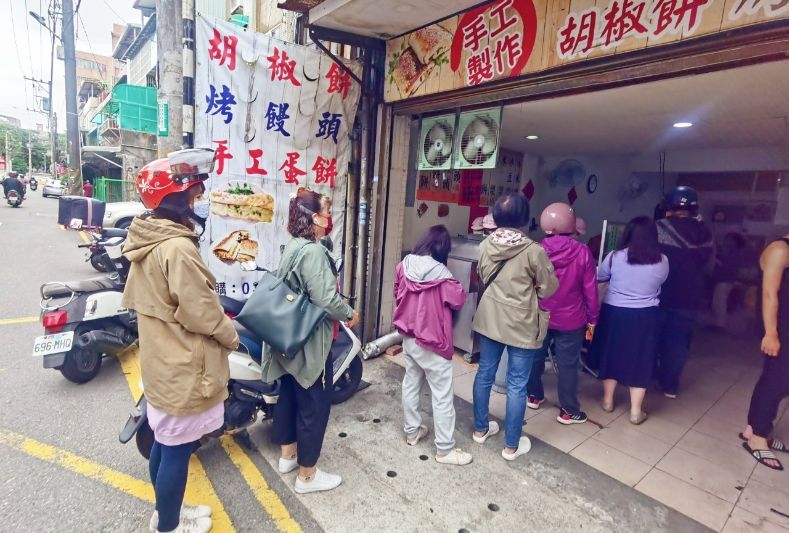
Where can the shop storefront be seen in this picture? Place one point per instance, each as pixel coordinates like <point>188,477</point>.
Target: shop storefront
<point>585,103</point>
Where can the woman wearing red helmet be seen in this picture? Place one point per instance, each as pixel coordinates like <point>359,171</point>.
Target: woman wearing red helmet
<point>185,336</point>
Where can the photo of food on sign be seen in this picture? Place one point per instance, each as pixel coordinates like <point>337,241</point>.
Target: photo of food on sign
<point>420,53</point>
<point>244,201</point>
<point>237,247</point>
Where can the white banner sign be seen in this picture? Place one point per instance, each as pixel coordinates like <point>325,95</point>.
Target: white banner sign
<point>279,117</point>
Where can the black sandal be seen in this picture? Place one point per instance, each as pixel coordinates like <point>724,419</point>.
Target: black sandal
<point>774,444</point>
<point>762,456</point>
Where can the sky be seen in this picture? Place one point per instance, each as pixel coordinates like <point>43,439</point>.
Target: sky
<point>25,51</point>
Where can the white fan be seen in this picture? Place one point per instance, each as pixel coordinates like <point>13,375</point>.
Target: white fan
<point>633,188</point>
<point>478,142</point>
<point>437,135</point>
<point>568,173</point>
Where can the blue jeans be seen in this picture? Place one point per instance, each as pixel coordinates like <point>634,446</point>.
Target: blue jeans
<point>519,368</point>
<point>567,354</point>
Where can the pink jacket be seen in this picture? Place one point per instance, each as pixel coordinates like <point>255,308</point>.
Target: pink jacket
<point>575,303</point>
<point>425,295</point>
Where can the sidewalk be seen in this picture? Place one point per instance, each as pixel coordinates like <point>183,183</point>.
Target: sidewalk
<point>389,486</point>
<point>687,454</point>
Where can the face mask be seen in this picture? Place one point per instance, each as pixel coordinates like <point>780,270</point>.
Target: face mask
<point>329,225</point>
<point>202,208</point>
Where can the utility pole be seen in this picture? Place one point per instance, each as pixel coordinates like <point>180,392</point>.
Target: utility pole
<point>29,153</point>
<point>72,118</point>
<point>8,166</point>
<point>169,50</point>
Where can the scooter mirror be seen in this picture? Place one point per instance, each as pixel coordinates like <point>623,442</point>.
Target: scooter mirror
<point>249,266</point>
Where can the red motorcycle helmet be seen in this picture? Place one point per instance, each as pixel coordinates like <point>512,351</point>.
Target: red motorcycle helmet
<point>176,173</point>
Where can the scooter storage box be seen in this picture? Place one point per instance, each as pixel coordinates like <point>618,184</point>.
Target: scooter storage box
<point>89,210</point>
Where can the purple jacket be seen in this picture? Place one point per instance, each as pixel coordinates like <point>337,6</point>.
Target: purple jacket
<point>575,303</point>
<point>425,295</point>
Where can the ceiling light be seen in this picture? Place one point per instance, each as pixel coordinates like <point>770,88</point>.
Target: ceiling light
<point>532,137</point>
<point>683,124</point>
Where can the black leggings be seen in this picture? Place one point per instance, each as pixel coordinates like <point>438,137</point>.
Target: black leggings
<point>772,387</point>
<point>301,416</point>
<point>168,467</point>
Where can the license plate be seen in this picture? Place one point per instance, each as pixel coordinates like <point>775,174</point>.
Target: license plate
<point>56,343</point>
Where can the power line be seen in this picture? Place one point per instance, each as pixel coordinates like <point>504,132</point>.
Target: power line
<point>18,57</point>
<point>113,10</point>
<point>90,47</point>
<point>27,28</point>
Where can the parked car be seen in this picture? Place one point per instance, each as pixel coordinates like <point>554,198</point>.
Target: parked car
<point>53,187</point>
<point>120,214</point>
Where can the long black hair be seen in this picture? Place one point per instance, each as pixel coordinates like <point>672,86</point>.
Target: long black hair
<point>435,242</point>
<point>641,241</point>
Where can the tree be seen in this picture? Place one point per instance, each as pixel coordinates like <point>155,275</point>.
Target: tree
<point>17,144</point>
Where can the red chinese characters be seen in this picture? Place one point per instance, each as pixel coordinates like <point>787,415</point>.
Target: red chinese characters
<point>577,36</point>
<point>255,168</point>
<point>291,171</point>
<point>283,67</point>
<point>494,40</point>
<point>223,49</point>
<point>222,154</point>
<point>677,15</point>
<point>325,171</point>
<point>621,19</point>
<point>339,81</point>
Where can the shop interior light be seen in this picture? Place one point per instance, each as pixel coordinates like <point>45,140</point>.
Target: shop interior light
<point>532,137</point>
<point>683,124</point>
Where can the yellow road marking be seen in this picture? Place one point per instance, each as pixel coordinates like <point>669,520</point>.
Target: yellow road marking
<point>85,237</point>
<point>79,465</point>
<point>198,487</point>
<point>267,497</point>
<point>23,320</point>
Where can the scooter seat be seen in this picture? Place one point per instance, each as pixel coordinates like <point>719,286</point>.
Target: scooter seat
<point>98,283</point>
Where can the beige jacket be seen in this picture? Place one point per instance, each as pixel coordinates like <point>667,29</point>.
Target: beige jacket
<point>185,337</point>
<point>509,310</point>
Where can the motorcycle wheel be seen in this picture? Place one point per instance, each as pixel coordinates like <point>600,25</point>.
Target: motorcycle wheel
<point>144,440</point>
<point>81,366</point>
<point>97,263</point>
<point>347,385</point>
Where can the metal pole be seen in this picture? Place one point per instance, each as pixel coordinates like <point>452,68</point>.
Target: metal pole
<point>52,124</point>
<point>72,117</point>
<point>188,72</point>
<point>8,166</point>
<point>169,49</point>
<point>29,153</point>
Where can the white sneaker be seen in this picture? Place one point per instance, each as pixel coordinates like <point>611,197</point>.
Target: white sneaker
<point>455,457</point>
<point>524,445</point>
<point>287,465</point>
<point>320,481</point>
<point>188,512</point>
<point>193,525</point>
<point>493,428</point>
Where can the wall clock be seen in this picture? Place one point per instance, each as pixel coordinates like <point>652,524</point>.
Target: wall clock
<point>591,184</point>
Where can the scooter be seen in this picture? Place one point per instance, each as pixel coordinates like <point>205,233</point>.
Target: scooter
<point>14,199</point>
<point>96,255</point>
<point>33,184</point>
<point>250,398</point>
<point>84,320</point>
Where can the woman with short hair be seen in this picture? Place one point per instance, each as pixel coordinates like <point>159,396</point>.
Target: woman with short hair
<point>516,274</point>
<point>626,339</point>
<point>304,403</point>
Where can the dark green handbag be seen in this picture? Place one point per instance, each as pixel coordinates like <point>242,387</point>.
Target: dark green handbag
<point>283,318</point>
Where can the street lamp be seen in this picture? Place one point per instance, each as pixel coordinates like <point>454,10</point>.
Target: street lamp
<point>41,20</point>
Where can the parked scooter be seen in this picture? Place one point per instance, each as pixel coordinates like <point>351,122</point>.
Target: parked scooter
<point>249,397</point>
<point>84,320</point>
<point>33,184</point>
<point>13,198</point>
<point>97,256</point>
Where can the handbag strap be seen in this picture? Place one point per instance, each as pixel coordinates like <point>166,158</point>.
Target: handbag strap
<point>290,268</point>
<point>500,267</point>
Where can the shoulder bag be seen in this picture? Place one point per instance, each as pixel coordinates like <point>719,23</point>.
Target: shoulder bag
<point>283,318</point>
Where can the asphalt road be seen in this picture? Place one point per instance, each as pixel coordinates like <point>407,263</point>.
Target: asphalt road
<point>64,470</point>
<point>39,495</point>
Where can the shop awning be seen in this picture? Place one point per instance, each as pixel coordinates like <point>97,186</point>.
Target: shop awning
<point>373,18</point>
<point>107,154</point>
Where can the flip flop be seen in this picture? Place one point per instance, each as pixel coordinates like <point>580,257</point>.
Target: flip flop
<point>762,455</point>
<point>774,444</point>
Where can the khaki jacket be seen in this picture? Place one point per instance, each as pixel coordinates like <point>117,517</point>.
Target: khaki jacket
<point>185,337</point>
<point>509,310</point>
